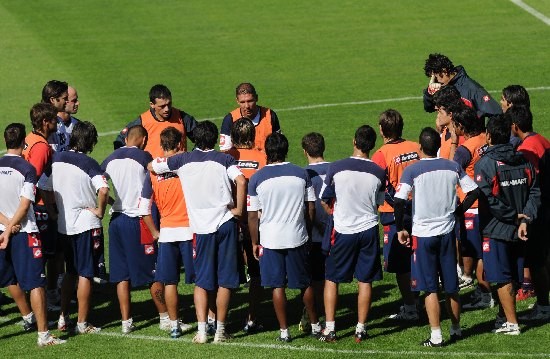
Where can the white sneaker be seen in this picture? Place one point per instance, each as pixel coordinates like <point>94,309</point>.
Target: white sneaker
<point>88,329</point>
<point>50,340</point>
<point>465,282</point>
<point>128,328</point>
<point>222,337</point>
<point>508,329</point>
<point>185,327</point>
<point>484,301</point>
<point>539,312</point>
<point>410,315</point>
<point>164,324</point>
<point>200,338</point>
<point>100,281</point>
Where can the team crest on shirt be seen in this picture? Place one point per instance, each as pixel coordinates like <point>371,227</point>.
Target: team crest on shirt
<point>247,200</point>
<point>194,253</point>
<point>469,224</point>
<point>486,245</point>
<point>96,232</point>
<point>260,251</point>
<point>485,98</point>
<point>161,159</point>
<point>386,238</point>
<point>97,244</point>
<point>124,130</point>
<point>478,178</point>
<point>37,253</point>
<point>222,140</point>
<point>34,241</point>
<point>149,249</point>
<point>104,179</point>
<point>499,163</point>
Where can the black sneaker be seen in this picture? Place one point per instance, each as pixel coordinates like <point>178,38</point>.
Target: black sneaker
<point>29,327</point>
<point>329,337</point>
<point>429,343</point>
<point>286,339</point>
<point>255,327</point>
<point>361,336</point>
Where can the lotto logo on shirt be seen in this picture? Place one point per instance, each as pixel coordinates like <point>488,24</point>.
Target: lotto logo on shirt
<point>149,249</point>
<point>406,157</point>
<point>486,245</point>
<point>469,224</point>
<point>37,253</point>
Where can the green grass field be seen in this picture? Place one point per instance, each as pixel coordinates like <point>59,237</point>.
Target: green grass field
<point>326,66</point>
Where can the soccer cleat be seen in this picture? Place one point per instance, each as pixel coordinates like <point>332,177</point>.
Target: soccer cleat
<point>184,327</point>
<point>164,325</point>
<point>200,338</point>
<point>524,294</point>
<point>428,343</point>
<point>329,337</point>
<point>252,327</point>
<point>127,329</point>
<point>361,336</point>
<point>481,302</point>
<point>539,312</point>
<point>64,325</point>
<point>175,333</point>
<point>88,329</point>
<point>465,282</point>
<point>50,340</point>
<point>100,281</point>
<point>454,338</point>
<point>222,337</point>
<point>508,328</point>
<point>29,326</point>
<point>286,339</point>
<point>499,320</point>
<point>305,324</point>
<point>411,315</point>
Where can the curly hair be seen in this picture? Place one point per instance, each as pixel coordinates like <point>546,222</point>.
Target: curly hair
<point>438,64</point>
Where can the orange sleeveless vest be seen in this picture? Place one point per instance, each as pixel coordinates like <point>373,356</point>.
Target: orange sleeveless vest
<point>476,146</point>
<point>263,128</point>
<point>168,196</point>
<point>154,128</point>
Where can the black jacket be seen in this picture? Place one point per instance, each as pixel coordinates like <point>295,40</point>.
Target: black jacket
<point>509,187</point>
<point>471,91</point>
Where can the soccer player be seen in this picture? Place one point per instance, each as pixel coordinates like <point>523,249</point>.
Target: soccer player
<point>81,194</point>
<point>207,177</point>
<point>249,160</point>
<point>313,145</point>
<point>265,120</point>
<point>393,157</point>
<point>21,259</point>
<point>284,195</point>
<point>433,183</point>
<point>441,71</point>
<point>536,149</point>
<point>37,152</point>
<point>159,116</point>
<point>65,122</point>
<point>445,101</point>
<point>466,124</point>
<point>132,250</point>
<point>510,201</point>
<point>175,238</point>
<point>356,184</point>
<point>514,95</point>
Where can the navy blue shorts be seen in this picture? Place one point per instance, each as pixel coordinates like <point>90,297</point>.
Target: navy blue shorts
<point>280,268</point>
<point>170,258</point>
<point>215,258</point>
<point>252,264</point>
<point>48,231</point>
<point>25,254</point>
<point>434,257</point>
<point>82,252</point>
<point>537,252</point>
<point>132,253</point>
<point>397,257</point>
<point>503,261</point>
<point>470,236</point>
<point>356,255</point>
<point>7,276</point>
<point>317,261</point>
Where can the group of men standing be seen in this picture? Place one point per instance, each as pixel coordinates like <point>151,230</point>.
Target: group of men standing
<point>309,229</point>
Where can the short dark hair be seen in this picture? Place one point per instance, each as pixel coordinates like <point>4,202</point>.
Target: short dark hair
<point>245,88</point>
<point>438,64</point>
<point>243,132</point>
<point>517,95</point>
<point>391,124</point>
<point>42,111</point>
<point>136,131</point>
<point>55,89</point>
<point>467,118</point>
<point>14,135</point>
<point>206,135</point>
<point>365,138</point>
<point>170,138</point>
<point>159,91</point>
<point>430,141</point>
<point>498,127</point>
<point>84,137</point>
<point>446,96</point>
<point>314,144</point>
<point>520,116</point>
<point>276,147</point>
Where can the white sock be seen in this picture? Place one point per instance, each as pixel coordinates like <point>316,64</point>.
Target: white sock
<point>360,327</point>
<point>173,324</point>
<point>164,316</point>
<point>44,335</point>
<point>220,327</point>
<point>284,333</point>
<point>127,323</point>
<point>29,318</point>
<point>201,327</point>
<point>211,320</point>
<point>436,336</point>
<point>82,326</point>
<point>329,326</point>
<point>315,327</point>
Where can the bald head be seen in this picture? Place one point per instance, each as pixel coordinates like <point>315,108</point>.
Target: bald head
<point>137,136</point>
<point>71,107</point>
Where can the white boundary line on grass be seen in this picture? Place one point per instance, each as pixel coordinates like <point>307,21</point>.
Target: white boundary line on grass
<point>532,11</point>
<point>308,348</point>
<point>324,105</point>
